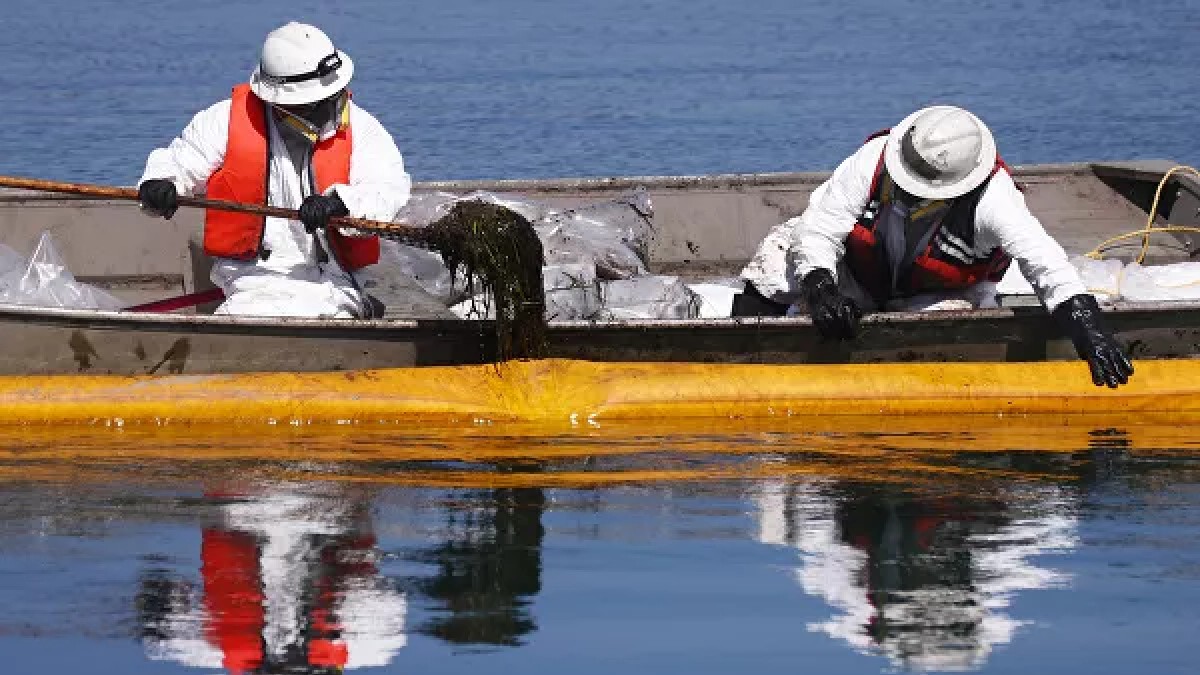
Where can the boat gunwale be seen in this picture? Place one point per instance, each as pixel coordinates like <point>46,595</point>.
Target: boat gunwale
<point>221,323</point>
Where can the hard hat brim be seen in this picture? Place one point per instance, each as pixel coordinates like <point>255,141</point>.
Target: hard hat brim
<point>299,93</point>
<point>915,184</point>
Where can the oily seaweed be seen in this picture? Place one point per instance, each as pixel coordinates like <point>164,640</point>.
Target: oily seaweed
<point>498,249</point>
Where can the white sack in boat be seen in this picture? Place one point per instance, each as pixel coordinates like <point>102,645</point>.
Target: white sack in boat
<point>1101,278</point>
<point>716,296</point>
<point>611,237</point>
<point>572,291</point>
<point>616,234</point>
<point>478,306</point>
<point>1157,283</point>
<point>424,208</point>
<point>400,265</point>
<point>571,294</point>
<point>1111,280</point>
<point>44,281</point>
<point>648,297</point>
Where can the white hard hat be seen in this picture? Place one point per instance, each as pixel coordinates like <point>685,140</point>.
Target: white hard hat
<point>299,64</point>
<point>940,152</point>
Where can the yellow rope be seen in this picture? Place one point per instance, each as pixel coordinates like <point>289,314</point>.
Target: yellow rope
<point>1098,252</point>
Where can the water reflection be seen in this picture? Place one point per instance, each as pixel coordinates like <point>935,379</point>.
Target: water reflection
<point>922,578</point>
<point>289,583</point>
<point>488,568</point>
<point>913,543</point>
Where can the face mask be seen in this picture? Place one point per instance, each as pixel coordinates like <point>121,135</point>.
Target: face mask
<point>321,114</point>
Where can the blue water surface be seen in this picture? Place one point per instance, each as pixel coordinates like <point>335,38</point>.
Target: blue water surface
<point>729,552</point>
<point>544,88</point>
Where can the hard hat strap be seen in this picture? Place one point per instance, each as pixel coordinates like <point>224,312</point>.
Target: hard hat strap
<point>325,66</point>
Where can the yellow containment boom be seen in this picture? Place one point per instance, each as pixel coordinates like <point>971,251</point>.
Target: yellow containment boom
<point>578,392</point>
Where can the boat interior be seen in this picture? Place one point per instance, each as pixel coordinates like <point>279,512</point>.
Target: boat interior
<point>705,226</point>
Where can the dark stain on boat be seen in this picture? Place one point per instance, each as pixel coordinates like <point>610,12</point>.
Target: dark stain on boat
<point>175,359</point>
<point>82,350</point>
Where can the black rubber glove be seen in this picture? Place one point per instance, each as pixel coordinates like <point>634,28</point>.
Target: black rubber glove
<point>835,315</point>
<point>1081,320</point>
<point>159,197</point>
<point>316,210</point>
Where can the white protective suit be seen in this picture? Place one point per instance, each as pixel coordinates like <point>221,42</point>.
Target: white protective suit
<point>816,238</point>
<point>290,282</point>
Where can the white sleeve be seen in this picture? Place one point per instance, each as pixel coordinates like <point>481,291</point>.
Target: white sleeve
<point>192,157</point>
<point>379,185</point>
<point>819,239</point>
<point>1002,213</point>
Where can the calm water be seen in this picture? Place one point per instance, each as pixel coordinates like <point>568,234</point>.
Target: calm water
<point>526,88</point>
<point>1005,548</point>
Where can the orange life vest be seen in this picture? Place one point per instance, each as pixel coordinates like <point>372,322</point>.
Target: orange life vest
<point>942,259</point>
<point>233,595</point>
<point>243,177</point>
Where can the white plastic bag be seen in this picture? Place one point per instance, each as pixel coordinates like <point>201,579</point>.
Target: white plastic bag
<point>1178,281</point>
<point>716,296</point>
<point>616,234</point>
<point>572,291</point>
<point>611,237</point>
<point>424,208</point>
<point>648,297</point>
<point>44,281</point>
<point>401,265</point>
<point>1101,278</point>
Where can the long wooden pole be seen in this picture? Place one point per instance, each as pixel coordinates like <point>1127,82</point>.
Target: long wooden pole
<point>399,230</point>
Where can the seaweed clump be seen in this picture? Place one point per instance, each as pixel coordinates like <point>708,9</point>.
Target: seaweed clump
<point>497,249</point>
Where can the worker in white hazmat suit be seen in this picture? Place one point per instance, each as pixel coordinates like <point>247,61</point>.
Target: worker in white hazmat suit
<point>290,138</point>
<point>923,216</point>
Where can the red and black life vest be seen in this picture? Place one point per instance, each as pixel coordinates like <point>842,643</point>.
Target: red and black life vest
<point>939,250</point>
<point>243,176</point>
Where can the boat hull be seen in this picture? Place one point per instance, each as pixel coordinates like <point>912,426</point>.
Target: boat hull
<point>59,342</point>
